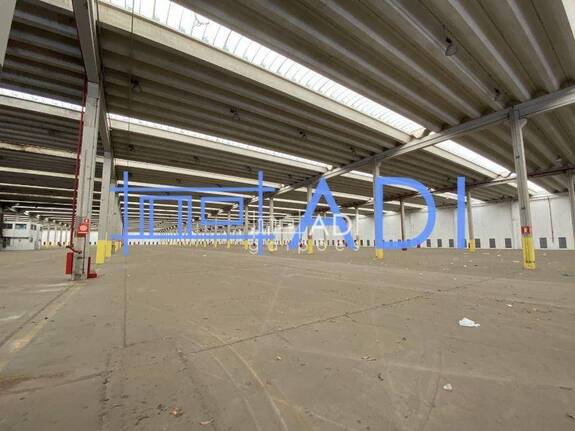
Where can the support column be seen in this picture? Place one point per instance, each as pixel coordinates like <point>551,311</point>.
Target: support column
<point>86,180</point>
<point>104,219</point>
<point>6,17</point>
<point>402,220</point>
<point>229,228</point>
<point>2,227</point>
<point>48,232</point>
<point>271,244</point>
<point>376,168</point>
<point>517,125</point>
<point>65,235</point>
<point>246,224</point>
<point>357,226</point>
<point>470,233</point>
<point>112,220</point>
<point>572,203</point>
<point>60,230</point>
<point>309,229</point>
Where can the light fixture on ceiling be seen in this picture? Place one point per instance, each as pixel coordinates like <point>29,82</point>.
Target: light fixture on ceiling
<point>235,113</point>
<point>135,85</point>
<point>498,96</point>
<point>451,48</point>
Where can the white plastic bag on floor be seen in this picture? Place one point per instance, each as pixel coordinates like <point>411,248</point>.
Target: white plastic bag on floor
<point>468,323</point>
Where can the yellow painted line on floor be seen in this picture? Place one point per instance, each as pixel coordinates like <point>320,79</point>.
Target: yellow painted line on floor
<point>31,329</point>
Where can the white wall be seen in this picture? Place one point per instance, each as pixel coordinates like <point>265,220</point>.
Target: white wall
<point>551,219</point>
<point>27,238</point>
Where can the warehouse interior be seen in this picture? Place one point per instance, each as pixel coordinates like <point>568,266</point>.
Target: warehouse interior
<point>162,162</point>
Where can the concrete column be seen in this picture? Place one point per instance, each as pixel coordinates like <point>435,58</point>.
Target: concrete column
<point>6,16</point>
<point>402,220</point>
<point>357,226</point>
<point>86,180</point>
<point>60,232</point>
<point>470,233</point>
<point>280,226</point>
<point>517,125</point>
<point>246,224</point>
<point>272,225</point>
<point>310,249</point>
<point>104,219</point>
<point>65,234</point>
<point>229,228</point>
<point>376,168</point>
<point>272,218</point>
<point>113,219</point>
<point>1,227</point>
<point>48,233</point>
<point>572,203</point>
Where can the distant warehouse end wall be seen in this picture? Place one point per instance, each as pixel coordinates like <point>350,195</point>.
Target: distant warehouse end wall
<point>496,225</point>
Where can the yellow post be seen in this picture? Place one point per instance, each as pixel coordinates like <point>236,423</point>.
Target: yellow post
<point>100,251</point>
<point>310,249</point>
<point>108,249</point>
<point>471,245</point>
<point>517,124</point>
<point>246,244</point>
<point>379,253</point>
<point>528,251</point>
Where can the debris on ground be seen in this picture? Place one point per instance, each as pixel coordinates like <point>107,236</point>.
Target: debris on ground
<point>368,358</point>
<point>571,415</point>
<point>510,305</point>
<point>207,422</point>
<point>448,387</point>
<point>176,411</point>
<point>380,376</point>
<point>278,358</point>
<point>468,323</point>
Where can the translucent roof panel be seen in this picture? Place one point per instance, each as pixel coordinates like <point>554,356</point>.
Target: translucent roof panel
<point>199,27</point>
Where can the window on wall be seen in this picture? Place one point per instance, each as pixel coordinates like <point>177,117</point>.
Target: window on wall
<point>451,243</point>
<point>7,226</point>
<point>477,243</point>
<point>492,243</point>
<point>542,242</point>
<point>562,242</point>
<point>20,226</point>
<point>439,243</point>
<point>508,243</point>
<point>428,243</point>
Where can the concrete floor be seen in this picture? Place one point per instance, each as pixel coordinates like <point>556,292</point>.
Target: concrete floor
<point>213,339</point>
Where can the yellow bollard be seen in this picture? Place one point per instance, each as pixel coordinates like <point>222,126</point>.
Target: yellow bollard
<point>108,249</point>
<point>379,253</point>
<point>471,246</point>
<point>100,251</point>
<point>310,249</point>
<point>528,251</point>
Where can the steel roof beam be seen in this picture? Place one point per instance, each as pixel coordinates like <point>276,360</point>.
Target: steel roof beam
<point>84,13</point>
<point>535,106</point>
<point>7,8</point>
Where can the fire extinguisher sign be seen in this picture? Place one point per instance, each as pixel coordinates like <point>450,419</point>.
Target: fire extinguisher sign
<point>525,230</point>
<point>84,227</point>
